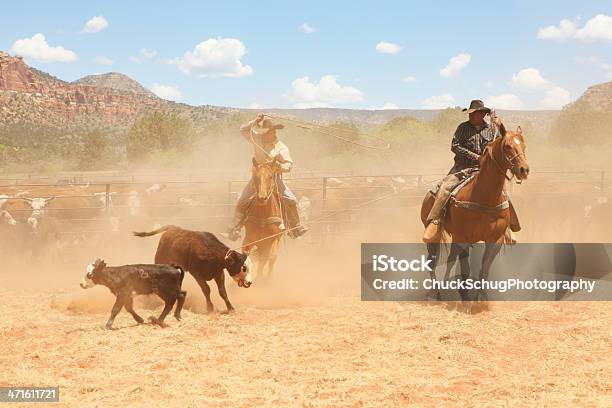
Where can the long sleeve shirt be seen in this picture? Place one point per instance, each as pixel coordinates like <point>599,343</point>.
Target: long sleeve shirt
<point>264,152</point>
<point>469,143</point>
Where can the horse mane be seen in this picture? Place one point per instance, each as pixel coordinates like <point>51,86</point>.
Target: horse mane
<point>488,151</point>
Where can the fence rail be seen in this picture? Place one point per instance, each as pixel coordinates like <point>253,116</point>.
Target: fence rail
<point>212,201</point>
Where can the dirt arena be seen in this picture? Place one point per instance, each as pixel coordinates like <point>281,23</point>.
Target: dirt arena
<point>305,339</point>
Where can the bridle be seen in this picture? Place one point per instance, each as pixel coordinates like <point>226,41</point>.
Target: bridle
<point>507,160</point>
<point>274,182</point>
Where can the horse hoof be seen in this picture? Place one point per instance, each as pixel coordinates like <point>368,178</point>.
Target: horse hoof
<point>433,295</point>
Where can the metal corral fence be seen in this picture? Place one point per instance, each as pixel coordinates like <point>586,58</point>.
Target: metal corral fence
<point>96,202</point>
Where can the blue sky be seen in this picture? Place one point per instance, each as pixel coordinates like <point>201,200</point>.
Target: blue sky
<point>512,54</point>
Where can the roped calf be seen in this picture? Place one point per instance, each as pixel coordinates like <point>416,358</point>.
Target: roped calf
<point>129,280</point>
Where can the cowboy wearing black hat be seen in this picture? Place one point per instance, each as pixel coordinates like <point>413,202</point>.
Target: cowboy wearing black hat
<point>469,142</point>
<point>261,133</point>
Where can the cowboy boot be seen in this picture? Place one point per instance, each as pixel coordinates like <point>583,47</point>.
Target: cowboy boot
<point>433,232</point>
<point>293,219</point>
<point>233,233</point>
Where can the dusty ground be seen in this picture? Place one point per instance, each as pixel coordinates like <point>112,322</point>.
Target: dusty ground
<point>306,340</point>
<point>339,352</point>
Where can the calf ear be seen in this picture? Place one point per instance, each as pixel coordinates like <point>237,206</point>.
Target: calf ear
<point>99,264</point>
<point>247,249</point>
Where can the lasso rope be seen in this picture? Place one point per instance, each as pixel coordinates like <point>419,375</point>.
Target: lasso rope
<point>310,126</point>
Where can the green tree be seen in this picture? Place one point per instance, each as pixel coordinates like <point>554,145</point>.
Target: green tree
<point>446,122</point>
<point>158,132</point>
<point>94,150</point>
<point>580,124</point>
<point>405,130</point>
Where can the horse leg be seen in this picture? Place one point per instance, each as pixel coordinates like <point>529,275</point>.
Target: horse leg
<point>433,253</point>
<point>464,261</point>
<point>451,260</point>
<point>491,251</point>
<point>263,254</point>
<point>272,255</point>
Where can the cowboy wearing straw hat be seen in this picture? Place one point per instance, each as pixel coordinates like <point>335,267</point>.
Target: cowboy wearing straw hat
<point>261,133</point>
<point>469,142</point>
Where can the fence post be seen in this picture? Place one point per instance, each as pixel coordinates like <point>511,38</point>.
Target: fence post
<point>229,198</point>
<point>324,193</point>
<point>324,227</point>
<point>107,198</point>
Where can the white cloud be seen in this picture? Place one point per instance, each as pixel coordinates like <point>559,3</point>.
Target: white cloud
<point>327,92</point>
<point>388,48</point>
<point>255,105</point>
<point>307,28</point>
<point>505,101</point>
<point>530,79</point>
<point>597,28</point>
<point>169,92</point>
<point>143,54</point>
<point>215,57</point>
<point>386,106</point>
<point>409,79</point>
<point>563,31</point>
<point>439,102</point>
<point>102,60</point>
<point>95,25</point>
<point>38,49</point>
<point>488,84</point>
<point>455,64</point>
<point>556,98</point>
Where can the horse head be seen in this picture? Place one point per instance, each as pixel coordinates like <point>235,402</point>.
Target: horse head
<point>264,176</point>
<point>508,152</point>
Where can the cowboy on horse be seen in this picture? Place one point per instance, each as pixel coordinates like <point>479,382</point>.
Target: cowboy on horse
<point>267,148</point>
<point>468,144</point>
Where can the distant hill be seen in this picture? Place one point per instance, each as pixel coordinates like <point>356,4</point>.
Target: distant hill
<point>113,101</point>
<point>30,97</point>
<point>597,98</point>
<point>366,119</point>
<point>114,80</point>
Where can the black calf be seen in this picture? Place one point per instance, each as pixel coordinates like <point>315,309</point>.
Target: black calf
<point>129,280</point>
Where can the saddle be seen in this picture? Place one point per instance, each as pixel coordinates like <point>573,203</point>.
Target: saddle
<point>469,175</point>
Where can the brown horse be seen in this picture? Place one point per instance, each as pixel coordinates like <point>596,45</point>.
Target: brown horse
<point>480,212</point>
<point>264,218</point>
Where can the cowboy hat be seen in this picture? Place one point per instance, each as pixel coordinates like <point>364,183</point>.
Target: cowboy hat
<point>266,125</point>
<point>476,105</point>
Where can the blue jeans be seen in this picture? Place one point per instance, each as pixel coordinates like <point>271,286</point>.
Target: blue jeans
<point>249,192</point>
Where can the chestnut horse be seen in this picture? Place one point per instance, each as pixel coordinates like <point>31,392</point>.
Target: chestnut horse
<point>479,211</point>
<point>264,218</point>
